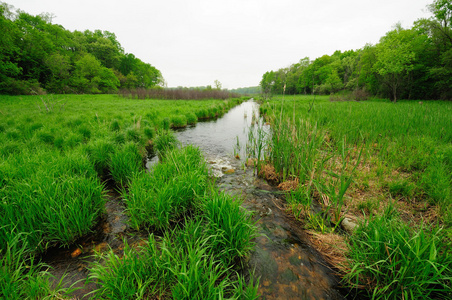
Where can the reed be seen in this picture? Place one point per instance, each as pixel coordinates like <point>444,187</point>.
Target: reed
<point>340,151</point>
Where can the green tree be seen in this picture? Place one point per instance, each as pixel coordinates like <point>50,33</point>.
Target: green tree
<point>59,66</point>
<point>217,85</point>
<point>9,34</point>
<point>394,59</point>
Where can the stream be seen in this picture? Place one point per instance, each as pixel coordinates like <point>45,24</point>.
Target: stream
<point>286,265</point>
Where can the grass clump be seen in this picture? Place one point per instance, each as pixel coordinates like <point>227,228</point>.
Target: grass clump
<point>164,142</point>
<point>180,265</point>
<point>230,226</point>
<point>191,118</point>
<point>51,200</point>
<point>205,233</point>
<point>165,195</point>
<point>179,121</point>
<point>99,152</point>
<point>394,261</point>
<point>125,161</point>
<point>22,278</point>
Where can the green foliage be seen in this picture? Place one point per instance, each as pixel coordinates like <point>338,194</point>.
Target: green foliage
<point>179,121</point>
<point>36,54</point>
<point>406,64</point>
<point>51,169</point>
<point>229,225</point>
<point>193,260</point>
<point>191,118</point>
<point>169,191</point>
<point>164,142</point>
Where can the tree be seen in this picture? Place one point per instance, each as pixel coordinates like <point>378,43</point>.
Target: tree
<point>394,58</point>
<point>217,84</point>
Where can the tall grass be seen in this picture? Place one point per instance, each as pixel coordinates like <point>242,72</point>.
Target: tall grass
<point>125,162</point>
<point>229,226</point>
<point>53,203</point>
<point>393,261</point>
<point>22,278</point>
<point>52,163</point>
<point>169,191</point>
<point>204,234</point>
<point>400,151</point>
<point>181,265</point>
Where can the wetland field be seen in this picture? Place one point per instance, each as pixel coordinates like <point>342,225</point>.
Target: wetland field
<point>63,158</point>
<point>371,182</point>
<point>295,197</point>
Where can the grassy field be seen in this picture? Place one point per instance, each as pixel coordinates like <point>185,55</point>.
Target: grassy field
<point>56,151</point>
<point>382,166</point>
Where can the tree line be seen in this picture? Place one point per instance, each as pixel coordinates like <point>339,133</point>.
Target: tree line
<point>413,63</point>
<point>37,56</point>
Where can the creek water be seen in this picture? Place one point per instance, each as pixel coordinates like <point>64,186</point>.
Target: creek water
<point>287,267</point>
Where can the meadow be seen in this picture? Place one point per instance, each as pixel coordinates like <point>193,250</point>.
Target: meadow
<point>382,167</point>
<point>58,152</point>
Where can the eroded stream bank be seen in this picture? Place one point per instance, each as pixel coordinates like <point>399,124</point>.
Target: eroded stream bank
<point>287,266</point>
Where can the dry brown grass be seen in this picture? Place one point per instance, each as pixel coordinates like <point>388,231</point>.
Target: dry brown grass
<point>289,185</point>
<point>268,172</point>
<point>332,246</point>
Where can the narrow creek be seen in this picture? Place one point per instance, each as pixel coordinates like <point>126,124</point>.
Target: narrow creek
<point>287,267</point>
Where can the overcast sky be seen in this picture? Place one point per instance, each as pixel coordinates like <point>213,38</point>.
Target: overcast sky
<point>194,43</point>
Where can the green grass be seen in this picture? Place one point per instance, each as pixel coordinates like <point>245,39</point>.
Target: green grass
<point>169,191</point>
<point>394,261</point>
<point>22,278</point>
<point>360,158</point>
<point>204,234</point>
<point>181,265</point>
<point>52,165</point>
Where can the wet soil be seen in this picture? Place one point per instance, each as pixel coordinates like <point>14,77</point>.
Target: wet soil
<point>72,262</point>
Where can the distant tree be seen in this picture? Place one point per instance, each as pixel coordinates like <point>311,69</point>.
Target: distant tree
<point>60,67</point>
<point>35,53</point>
<point>440,30</point>
<point>217,84</point>
<point>9,50</point>
<point>394,58</point>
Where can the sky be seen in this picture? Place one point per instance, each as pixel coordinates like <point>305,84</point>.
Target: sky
<point>195,42</point>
